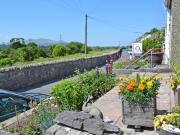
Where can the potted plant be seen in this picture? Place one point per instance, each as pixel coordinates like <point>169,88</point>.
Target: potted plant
<point>168,124</point>
<point>139,99</point>
<point>175,85</point>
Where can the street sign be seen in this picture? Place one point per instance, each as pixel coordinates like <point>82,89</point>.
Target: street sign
<point>137,49</point>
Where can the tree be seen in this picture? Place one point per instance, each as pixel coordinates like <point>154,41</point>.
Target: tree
<point>25,54</point>
<point>154,30</point>
<point>17,43</point>
<point>33,50</point>
<point>155,41</point>
<point>59,50</point>
<point>32,44</point>
<point>82,50</point>
<point>74,47</point>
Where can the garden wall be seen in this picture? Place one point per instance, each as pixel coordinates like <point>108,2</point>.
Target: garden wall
<point>15,78</point>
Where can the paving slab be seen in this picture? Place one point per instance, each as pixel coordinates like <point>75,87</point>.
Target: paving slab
<point>110,105</point>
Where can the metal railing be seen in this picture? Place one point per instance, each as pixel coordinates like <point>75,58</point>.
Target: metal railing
<point>149,52</point>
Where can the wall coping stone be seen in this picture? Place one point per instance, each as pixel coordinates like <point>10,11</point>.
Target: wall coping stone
<point>6,69</point>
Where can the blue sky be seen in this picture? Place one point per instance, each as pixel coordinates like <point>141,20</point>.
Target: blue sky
<point>110,22</point>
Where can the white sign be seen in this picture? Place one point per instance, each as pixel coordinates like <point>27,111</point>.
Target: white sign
<point>137,49</point>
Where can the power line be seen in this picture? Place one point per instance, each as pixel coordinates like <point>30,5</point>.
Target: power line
<point>65,4</point>
<point>80,7</point>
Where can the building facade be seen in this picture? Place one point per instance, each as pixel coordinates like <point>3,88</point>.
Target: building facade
<point>172,40</point>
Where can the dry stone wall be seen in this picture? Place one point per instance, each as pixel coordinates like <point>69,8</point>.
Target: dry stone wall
<point>15,78</point>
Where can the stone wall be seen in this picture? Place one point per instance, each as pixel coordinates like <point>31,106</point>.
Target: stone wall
<point>175,37</point>
<point>15,78</point>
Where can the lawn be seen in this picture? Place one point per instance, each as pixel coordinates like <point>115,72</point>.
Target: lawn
<point>63,58</point>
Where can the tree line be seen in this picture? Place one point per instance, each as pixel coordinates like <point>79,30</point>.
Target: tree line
<point>19,51</point>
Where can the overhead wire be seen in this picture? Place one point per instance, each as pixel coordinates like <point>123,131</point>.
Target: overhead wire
<point>80,7</point>
<point>77,7</point>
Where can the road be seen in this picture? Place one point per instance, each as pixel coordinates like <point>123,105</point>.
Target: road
<point>46,88</point>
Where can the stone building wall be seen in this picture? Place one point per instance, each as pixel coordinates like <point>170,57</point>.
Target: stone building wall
<point>21,77</point>
<point>175,36</point>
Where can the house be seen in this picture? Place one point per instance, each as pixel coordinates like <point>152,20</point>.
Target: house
<point>172,37</point>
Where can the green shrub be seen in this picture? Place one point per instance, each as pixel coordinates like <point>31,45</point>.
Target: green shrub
<point>155,41</point>
<point>6,62</point>
<point>176,109</point>
<point>72,92</point>
<point>74,47</point>
<point>59,50</point>
<point>142,63</point>
<point>41,119</point>
<point>23,54</point>
<point>121,64</point>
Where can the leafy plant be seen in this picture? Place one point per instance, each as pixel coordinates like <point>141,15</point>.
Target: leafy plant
<point>142,63</point>
<point>72,92</point>
<point>175,81</point>
<point>59,50</point>
<point>176,109</point>
<point>155,41</point>
<point>6,61</point>
<point>140,89</point>
<point>164,120</point>
<point>121,64</point>
<point>41,118</point>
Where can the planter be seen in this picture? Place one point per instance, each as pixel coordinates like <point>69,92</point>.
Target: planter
<point>165,132</point>
<point>177,96</point>
<point>156,58</point>
<point>139,115</point>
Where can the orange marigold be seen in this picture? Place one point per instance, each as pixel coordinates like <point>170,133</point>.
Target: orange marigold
<point>132,83</point>
<point>141,87</point>
<point>130,87</point>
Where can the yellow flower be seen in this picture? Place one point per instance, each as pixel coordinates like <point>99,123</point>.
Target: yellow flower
<point>145,78</point>
<point>158,78</point>
<point>149,84</point>
<point>141,87</point>
<point>120,84</point>
<point>142,81</point>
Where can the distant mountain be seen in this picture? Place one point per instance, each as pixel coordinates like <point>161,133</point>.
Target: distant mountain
<point>45,42</point>
<point>3,45</point>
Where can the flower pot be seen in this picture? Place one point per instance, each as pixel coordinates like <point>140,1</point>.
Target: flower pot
<point>165,132</point>
<point>139,114</point>
<point>156,58</point>
<point>177,96</point>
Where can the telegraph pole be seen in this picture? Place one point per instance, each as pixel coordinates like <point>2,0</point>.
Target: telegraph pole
<point>119,43</point>
<point>86,19</point>
<point>60,37</point>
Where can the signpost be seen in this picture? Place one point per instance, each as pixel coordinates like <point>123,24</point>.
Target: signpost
<point>136,49</point>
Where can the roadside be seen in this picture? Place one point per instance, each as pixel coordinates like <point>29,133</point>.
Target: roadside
<point>46,88</point>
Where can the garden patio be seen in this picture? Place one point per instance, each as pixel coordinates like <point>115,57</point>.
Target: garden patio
<point>111,106</point>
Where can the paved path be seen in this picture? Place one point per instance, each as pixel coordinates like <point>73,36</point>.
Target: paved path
<point>46,88</point>
<point>110,105</point>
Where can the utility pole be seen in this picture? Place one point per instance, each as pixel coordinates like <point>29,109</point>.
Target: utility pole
<point>119,43</point>
<point>86,19</point>
<point>60,37</point>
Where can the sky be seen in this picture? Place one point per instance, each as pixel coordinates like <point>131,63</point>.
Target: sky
<point>110,22</point>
